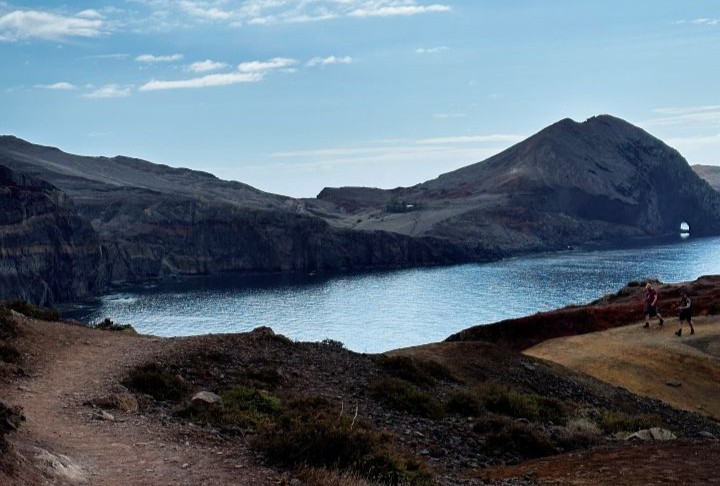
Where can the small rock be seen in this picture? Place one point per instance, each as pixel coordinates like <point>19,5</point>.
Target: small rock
<point>103,415</point>
<point>674,384</point>
<point>185,465</point>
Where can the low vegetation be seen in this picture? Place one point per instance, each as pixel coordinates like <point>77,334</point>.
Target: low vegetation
<point>613,422</point>
<point>33,311</point>
<point>311,432</point>
<point>109,325</point>
<point>405,397</point>
<point>157,381</point>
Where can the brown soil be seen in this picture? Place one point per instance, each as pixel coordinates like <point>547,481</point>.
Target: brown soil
<point>69,365</point>
<point>681,371</point>
<point>672,463</point>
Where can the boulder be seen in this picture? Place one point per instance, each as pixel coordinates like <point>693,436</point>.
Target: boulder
<point>60,466</point>
<point>653,433</point>
<point>207,398</point>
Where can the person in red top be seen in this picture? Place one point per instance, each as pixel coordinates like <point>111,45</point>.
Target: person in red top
<point>651,305</point>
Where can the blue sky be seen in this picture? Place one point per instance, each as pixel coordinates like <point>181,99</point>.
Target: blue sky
<point>293,96</point>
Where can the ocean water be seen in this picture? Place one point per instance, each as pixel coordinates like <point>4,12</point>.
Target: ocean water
<point>382,310</point>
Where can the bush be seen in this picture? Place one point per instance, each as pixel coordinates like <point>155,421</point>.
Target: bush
<point>241,406</point>
<point>30,310</point>
<point>405,397</point>
<point>9,354</point>
<point>465,404</point>
<point>579,433</point>
<point>109,325</point>
<point>503,400</point>
<point>264,377</point>
<point>311,432</point>
<point>517,438</point>
<point>8,328</point>
<point>246,406</point>
<point>415,371</point>
<point>613,422</point>
<point>156,381</point>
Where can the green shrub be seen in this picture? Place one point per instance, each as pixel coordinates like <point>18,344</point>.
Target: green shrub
<point>311,432</point>
<point>264,377</point>
<point>248,406</point>
<point>109,325</point>
<point>517,438</point>
<point>464,403</point>
<point>33,311</point>
<point>419,372</point>
<point>612,422</point>
<point>156,381</point>
<point>507,401</point>
<point>241,406</point>
<point>405,397</point>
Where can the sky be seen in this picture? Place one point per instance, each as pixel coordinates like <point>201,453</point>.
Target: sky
<point>293,96</point>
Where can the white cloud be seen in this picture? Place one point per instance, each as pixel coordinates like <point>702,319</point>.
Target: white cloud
<point>705,21</point>
<point>206,65</point>
<point>326,61</point>
<point>260,66</point>
<point>692,116</point>
<point>109,91</point>
<point>60,86</point>
<point>431,50</point>
<point>205,10</point>
<point>151,59</point>
<point>29,24</point>
<point>90,14</point>
<point>247,72</point>
<point>207,81</point>
<point>118,57</point>
<point>393,11</point>
<point>269,12</point>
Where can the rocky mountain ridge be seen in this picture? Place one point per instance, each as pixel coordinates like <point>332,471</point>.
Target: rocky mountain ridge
<point>602,180</point>
<point>571,183</point>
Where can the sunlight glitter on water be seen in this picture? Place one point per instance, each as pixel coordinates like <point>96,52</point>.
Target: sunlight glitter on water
<point>378,311</point>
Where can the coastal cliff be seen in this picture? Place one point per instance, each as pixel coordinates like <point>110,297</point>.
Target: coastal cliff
<point>49,254</point>
<point>600,181</point>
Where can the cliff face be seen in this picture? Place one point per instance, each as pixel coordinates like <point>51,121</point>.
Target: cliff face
<point>600,180</point>
<point>48,253</point>
<point>156,221</point>
<point>192,238</point>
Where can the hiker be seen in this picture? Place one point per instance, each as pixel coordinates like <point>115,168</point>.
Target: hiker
<point>651,305</point>
<point>685,307</point>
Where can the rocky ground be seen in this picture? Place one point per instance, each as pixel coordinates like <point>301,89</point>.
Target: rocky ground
<point>111,408</point>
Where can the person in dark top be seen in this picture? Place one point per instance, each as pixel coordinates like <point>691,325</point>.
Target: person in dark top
<point>685,313</point>
<point>651,306</point>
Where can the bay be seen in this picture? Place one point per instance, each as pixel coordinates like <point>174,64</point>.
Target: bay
<point>382,310</point>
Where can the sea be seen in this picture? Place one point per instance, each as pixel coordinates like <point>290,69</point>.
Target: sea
<point>377,311</point>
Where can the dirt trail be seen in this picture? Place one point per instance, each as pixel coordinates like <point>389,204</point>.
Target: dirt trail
<point>72,364</point>
<point>681,371</point>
